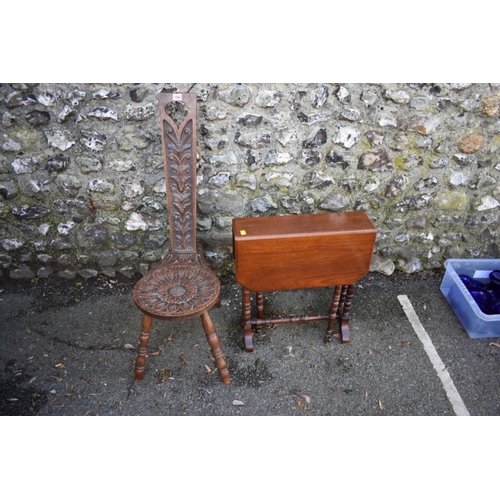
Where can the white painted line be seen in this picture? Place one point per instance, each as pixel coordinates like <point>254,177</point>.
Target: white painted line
<point>451,391</point>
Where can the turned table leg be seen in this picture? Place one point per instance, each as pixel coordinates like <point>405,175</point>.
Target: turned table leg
<point>342,300</point>
<point>140,362</point>
<point>247,320</point>
<point>260,305</point>
<point>344,314</point>
<point>260,309</point>
<point>333,313</point>
<point>213,342</point>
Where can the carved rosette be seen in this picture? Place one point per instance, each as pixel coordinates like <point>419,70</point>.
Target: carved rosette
<point>176,289</point>
<point>180,177</point>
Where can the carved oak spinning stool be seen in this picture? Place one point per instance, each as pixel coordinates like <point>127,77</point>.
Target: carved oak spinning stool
<point>302,251</point>
<point>182,286</point>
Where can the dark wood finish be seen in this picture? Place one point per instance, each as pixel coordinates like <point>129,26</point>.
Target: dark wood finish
<point>302,251</point>
<point>140,363</point>
<point>333,312</point>
<point>182,286</point>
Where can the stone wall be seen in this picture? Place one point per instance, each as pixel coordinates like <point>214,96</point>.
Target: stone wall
<point>82,186</point>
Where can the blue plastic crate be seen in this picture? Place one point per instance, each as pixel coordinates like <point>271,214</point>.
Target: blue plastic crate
<point>477,324</point>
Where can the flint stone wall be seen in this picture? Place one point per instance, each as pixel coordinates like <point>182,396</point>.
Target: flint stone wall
<point>81,175</point>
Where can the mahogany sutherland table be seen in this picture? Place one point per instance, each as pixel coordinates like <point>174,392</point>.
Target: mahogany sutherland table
<point>291,252</point>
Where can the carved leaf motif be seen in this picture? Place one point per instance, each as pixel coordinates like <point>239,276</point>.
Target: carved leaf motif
<point>180,173</point>
<point>184,202</point>
<point>181,177</point>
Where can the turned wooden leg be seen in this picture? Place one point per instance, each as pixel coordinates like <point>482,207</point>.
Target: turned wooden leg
<point>213,342</point>
<point>247,318</point>
<point>260,309</point>
<point>344,316</point>
<point>260,305</point>
<point>342,300</point>
<point>333,313</point>
<point>140,362</point>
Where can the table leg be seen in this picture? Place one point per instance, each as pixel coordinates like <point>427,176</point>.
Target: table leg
<point>260,305</point>
<point>247,319</point>
<point>333,314</point>
<point>260,309</point>
<point>342,300</point>
<point>344,315</point>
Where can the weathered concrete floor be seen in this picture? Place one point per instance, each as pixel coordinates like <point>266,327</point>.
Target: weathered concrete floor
<point>69,349</point>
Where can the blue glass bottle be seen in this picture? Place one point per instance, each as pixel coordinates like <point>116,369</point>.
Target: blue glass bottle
<point>495,291</point>
<point>484,300</point>
<point>486,295</point>
<point>472,284</point>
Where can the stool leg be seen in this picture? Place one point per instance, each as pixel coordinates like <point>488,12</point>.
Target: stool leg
<point>213,342</point>
<point>140,362</point>
<point>333,314</point>
<point>344,318</point>
<point>247,318</point>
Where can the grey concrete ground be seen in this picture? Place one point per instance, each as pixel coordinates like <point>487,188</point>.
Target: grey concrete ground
<point>68,348</point>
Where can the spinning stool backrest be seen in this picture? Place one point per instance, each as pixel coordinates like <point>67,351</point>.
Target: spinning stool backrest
<point>179,139</point>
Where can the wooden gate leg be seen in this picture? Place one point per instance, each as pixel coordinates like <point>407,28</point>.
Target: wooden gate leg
<point>140,362</point>
<point>213,342</point>
<point>247,319</point>
<point>260,305</point>
<point>260,309</point>
<point>344,315</point>
<point>342,300</point>
<point>333,314</point>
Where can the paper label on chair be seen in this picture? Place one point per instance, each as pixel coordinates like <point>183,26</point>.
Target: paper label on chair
<point>243,232</point>
<point>177,97</point>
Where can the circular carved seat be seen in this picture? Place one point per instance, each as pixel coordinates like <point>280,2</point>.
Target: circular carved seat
<point>177,290</point>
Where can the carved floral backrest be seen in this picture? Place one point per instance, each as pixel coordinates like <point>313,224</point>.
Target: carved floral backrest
<point>179,139</point>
